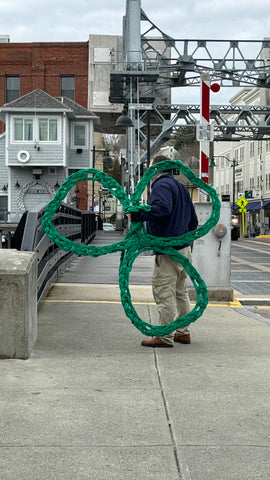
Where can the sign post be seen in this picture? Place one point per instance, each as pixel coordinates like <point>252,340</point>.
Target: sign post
<point>242,203</point>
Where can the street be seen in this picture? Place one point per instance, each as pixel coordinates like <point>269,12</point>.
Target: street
<point>250,266</point>
<point>250,273</point>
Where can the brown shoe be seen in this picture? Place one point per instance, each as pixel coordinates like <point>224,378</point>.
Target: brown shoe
<point>182,338</point>
<point>156,342</point>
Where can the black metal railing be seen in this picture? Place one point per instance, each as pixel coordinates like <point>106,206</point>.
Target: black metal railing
<point>76,225</point>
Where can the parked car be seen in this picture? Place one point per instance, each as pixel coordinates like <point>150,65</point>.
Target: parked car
<point>235,229</point>
<point>108,227</point>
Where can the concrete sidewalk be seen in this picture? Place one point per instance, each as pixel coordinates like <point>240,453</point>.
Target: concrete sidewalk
<point>92,403</point>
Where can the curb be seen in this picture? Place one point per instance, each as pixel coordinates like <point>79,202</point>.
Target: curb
<point>249,301</point>
<point>139,293</point>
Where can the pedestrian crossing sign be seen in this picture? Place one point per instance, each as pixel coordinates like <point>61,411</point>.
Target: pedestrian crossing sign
<point>242,202</point>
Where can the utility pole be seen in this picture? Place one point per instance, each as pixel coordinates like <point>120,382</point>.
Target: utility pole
<point>132,60</point>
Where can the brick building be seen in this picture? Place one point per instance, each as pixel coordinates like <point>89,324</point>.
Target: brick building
<point>57,68</point>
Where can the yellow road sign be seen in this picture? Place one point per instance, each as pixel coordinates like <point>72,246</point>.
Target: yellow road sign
<point>242,202</point>
<point>242,210</point>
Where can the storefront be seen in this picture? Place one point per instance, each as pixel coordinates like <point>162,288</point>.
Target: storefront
<point>258,217</point>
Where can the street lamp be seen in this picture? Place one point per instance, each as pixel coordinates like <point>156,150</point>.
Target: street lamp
<point>234,164</point>
<point>107,162</point>
<point>100,191</point>
<point>124,120</point>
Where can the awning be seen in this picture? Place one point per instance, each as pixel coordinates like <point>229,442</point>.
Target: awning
<point>254,206</point>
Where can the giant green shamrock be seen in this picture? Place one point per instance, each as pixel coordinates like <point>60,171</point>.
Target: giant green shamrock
<point>137,240</point>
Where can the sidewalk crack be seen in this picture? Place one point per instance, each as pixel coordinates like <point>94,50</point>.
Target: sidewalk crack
<point>181,463</point>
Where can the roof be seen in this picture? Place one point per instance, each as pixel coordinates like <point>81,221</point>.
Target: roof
<point>40,101</point>
<point>79,110</point>
<point>37,99</point>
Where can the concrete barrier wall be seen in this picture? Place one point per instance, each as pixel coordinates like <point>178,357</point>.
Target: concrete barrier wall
<point>212,255</point>
<point>18,303</point>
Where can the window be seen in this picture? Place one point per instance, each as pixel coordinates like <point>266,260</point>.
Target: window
<point>12,88</point>
<point>67,87</point>
<point>42,129</point>
<point>251,149</point>
<point>267,183</point>
<point>47,130</point>
<point>23,129</point>
<point>3,208</point>
<point>79,135</point>
<point>239,154</point>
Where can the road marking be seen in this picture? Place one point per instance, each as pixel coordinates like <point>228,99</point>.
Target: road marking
<point>250,248</point>
<point>250,281</point>
<point>235,303</point>
<point>254,265</point>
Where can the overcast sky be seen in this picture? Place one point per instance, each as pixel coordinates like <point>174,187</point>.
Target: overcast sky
<point>57,20</point>
<point>66,20</point>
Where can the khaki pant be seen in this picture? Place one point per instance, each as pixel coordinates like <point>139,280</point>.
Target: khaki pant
<point>170,291</point>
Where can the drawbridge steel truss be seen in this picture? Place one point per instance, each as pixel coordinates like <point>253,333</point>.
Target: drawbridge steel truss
<point>231,123</point>
<point>166,63</point>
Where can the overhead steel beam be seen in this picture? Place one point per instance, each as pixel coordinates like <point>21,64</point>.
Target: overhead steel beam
<point>165,62</point>
<point>231,123</point>
<point>231,62</point>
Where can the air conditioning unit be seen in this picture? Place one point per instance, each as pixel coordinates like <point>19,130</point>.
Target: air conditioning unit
<point>4,38</point>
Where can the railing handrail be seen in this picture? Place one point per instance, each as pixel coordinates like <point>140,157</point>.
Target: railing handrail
<point>77,225</point>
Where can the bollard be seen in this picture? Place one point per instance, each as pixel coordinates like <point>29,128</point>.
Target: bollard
<point>18,303</point>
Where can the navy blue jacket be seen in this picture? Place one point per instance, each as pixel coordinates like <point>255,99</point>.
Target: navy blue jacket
<point>172,211</point>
